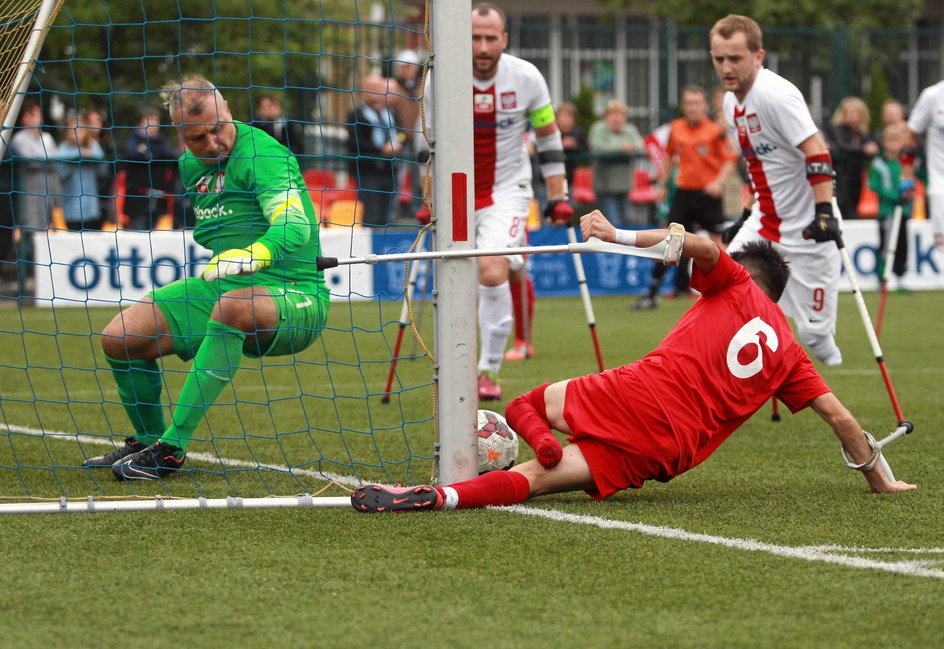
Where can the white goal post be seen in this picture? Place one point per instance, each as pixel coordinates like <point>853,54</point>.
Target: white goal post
<point>451,164</point>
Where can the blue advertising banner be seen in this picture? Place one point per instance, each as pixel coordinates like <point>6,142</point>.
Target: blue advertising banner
<point>606,274</point>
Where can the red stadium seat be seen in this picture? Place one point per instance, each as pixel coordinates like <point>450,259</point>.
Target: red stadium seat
<point>582,191</point>
<point>643,191</point>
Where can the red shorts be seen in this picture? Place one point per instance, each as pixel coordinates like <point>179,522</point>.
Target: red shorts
<point>621,429</point>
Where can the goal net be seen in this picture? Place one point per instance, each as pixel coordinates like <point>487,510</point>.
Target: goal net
<point>102,219</point>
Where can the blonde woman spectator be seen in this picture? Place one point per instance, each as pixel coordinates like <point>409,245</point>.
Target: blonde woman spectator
<point>614,139</point>
<point>852,147</point>
<point>80,154</point>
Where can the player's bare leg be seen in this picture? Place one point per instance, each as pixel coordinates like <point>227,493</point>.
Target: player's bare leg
<point>140,332</point>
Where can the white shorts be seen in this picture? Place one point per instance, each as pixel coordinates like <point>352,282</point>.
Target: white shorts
<point>812,293</point>
<point>503,225</point>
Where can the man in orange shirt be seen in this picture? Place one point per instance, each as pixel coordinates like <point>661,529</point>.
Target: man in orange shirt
<point>701,150</point>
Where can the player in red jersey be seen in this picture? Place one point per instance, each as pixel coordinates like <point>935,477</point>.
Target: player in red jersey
<point>730,353</point>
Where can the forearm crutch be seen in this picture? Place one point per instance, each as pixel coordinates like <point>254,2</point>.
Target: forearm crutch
<point>867,322</point>
<point>891,248</point>
<point>904,428</point>
<point>585,295</point>
<point>404,315</point>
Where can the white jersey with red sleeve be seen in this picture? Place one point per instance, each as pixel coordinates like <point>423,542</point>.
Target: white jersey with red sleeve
<point>927,118</point>
<point>502,107</point>
<point>768,126</point>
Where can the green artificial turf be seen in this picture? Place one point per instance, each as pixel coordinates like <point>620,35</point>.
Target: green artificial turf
<point>489,578</point>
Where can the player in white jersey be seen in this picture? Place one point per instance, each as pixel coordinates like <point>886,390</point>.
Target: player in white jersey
<point>509,95</point>
<point>927,119</point>
<point>792,178</point>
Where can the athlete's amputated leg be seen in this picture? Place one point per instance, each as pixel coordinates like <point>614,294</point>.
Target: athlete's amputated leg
<point>522,298</point>
<point>527,416</point>
<point>213,368</point>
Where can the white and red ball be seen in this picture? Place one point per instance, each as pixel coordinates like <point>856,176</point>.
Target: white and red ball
<point>498,443</point>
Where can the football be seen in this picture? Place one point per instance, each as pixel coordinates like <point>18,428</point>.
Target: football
<point>498,443</point>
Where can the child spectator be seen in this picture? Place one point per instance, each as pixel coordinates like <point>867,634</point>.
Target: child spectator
<point>884,178</point>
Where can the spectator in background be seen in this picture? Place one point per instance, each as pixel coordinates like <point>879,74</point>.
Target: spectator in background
<point>573,138</point>
<point>614,139</point>
<point>151,169</point>
<point>851,146</point>
<point>701,151</point>
<point>6,203</point>
<point>409,78</point>
<point>271,118</point>
<point>885,180</point>
<point>892,113</point>
<point>373,144</point>
<point>80,154</point>
<point>105,171</point>
<point>38,187</point>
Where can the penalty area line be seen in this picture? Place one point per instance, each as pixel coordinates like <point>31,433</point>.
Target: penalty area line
<point>824,554</point>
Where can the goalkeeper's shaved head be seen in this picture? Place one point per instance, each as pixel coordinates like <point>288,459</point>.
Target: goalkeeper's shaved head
<point>190,96</point>
<point>769,270</point>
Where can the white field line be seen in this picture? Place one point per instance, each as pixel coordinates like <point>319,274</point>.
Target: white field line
<point>823,553</point>
<point>347,481</point>
<point>806,553</point>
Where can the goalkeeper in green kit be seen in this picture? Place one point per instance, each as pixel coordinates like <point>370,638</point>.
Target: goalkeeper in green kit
<point>260,295</point>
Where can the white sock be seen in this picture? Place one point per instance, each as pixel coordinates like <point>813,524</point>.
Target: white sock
<point>824,348</point>
<point>450,497</point>
<point>495,321</point>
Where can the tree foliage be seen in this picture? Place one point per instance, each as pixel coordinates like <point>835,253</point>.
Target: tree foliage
<point>117,53</point>
<point>856,14</point>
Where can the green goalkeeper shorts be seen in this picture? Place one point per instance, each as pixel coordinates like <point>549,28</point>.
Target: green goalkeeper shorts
<point>187,304</point>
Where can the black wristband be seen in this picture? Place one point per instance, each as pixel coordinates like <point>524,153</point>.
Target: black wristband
<point>824,209</point>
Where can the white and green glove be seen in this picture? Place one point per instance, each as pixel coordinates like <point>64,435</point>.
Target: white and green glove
<point>238,261</point>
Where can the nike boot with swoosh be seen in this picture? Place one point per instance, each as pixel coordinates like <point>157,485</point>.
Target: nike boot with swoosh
<point>374,498</point>
<point>153,463</point>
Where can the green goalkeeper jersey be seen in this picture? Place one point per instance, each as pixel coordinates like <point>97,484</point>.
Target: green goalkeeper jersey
<point>256,194</point>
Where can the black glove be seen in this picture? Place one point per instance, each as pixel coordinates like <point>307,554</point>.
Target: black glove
<point>559,211</point>
<point>728,235</point>
<point>824,227</point>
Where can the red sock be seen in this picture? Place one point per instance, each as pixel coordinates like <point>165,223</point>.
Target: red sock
<point>518,307</point>
<point>492,488</point>
<point>527,416</point>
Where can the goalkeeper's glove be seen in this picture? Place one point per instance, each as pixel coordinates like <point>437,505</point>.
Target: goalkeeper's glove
<point>825,226</point>
<point>559,211</point>
<point>728,235</point>
<point>238,261</point>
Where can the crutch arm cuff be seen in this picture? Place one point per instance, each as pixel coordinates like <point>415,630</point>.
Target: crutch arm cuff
<point>870,463</point>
